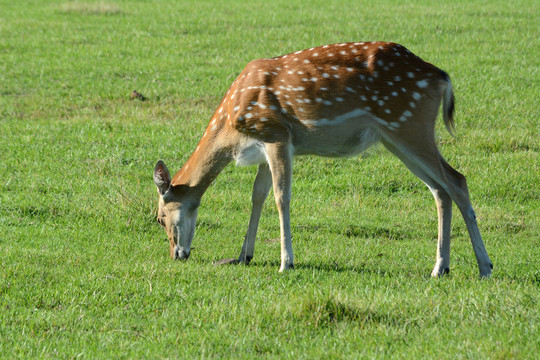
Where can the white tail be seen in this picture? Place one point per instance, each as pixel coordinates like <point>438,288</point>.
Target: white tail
<point>334,100</point>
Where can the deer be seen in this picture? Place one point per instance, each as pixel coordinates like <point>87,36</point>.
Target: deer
<point>333,101</point>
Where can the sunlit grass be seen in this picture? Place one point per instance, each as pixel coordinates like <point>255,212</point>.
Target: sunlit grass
<point>84,270</point>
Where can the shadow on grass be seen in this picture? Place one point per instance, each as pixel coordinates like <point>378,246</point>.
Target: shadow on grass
<point>360,231</point>
<point>341,268</point>
<point>328,310</point>
<point>310,266</point>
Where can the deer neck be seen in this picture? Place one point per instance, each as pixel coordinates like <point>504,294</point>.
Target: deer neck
<point>205,163</point>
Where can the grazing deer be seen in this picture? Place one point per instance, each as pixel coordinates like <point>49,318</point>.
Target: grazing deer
<point>333,100</point>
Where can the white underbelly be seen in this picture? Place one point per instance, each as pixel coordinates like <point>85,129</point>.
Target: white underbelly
<point>346,135</point>
<point>251,152</point>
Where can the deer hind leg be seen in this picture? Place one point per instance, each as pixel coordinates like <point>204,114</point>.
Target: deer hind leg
<point>460,194</point>
<point>444,211</point>
<point>280,161</point>
<point>261,187</point>
<point>445,183</point>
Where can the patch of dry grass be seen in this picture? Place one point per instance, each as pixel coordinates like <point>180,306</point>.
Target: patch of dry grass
<point>86,8</point>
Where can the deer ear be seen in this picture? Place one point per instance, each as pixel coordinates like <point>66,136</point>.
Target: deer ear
<point>162,177</point>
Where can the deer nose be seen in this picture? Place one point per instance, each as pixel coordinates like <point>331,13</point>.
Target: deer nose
<point>180,254</point>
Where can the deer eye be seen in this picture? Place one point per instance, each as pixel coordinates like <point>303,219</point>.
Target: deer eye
<point>160,221</point>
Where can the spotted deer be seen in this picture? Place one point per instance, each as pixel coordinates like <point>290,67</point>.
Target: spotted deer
<point>333,100</point>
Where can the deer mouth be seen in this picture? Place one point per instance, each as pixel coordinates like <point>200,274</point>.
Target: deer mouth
<point>181,254</point>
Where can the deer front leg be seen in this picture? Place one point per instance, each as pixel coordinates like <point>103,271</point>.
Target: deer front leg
<point>280,161</point>
<point>261,187</point>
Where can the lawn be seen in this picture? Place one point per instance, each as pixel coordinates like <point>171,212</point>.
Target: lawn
<point>84,270</point>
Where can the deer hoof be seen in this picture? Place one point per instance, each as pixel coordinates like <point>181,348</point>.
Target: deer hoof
<point>286,267</point>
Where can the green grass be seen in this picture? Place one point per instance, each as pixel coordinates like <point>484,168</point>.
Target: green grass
<point>84,271</point>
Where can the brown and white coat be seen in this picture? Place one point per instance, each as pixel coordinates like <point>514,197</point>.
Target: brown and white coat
<point>333,100</point>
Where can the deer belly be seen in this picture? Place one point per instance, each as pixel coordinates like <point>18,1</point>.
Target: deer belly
<point>325,138</point>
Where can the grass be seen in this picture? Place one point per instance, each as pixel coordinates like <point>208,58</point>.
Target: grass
<point>84,271</point>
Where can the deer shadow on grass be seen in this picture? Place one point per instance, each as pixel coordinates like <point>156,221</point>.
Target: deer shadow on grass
<point>334,267</point>
<point>350,231</point>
